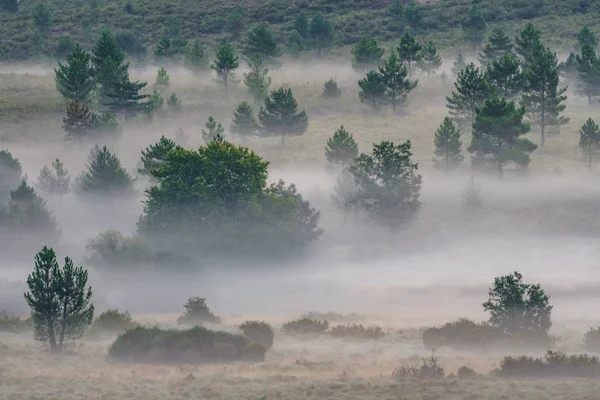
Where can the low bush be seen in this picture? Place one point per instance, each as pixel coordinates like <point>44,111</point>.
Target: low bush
<point>258,332</point>
<point>305,326</point>
<point>465,372</point>
<point>357,331</point>
<point>197,313</point>
<point>111,322</point>
<point>14,323</point>
<point>591,340</point>
<point>428,369</point>
<point>196,345</point>
<point>553,364</point>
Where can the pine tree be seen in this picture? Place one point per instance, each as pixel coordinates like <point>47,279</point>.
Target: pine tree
<point>474,27</point>
<point>154,103</point>
<point>257,79</point>
<point>397,85</point>
<point>505,76</point>
<point>124,98</point>
<point>27,215</point>
<point>589,142</point>
<point>430,58</point>
<point>543,99</point>
<point>78,120</point>
<point>472,89</point>
<point>459,64</point>
<point>301,25</point>
<point>499,45</point>
<point>173,102</point>
<point>225,63</point>
<point>341,148</point>
<point>366,54</point>
<point>261,42</point>
<point>109,64</point>
<point>320,32</point>
<point>60,303</point>
<point>448,146</point>
<point>10,175</point>
<point>243,122</point>
<point>155,155</point>
<point>42,17</point>
<point>588,73</point>
<point>213,130</point>
<point>331,90</point>
<point>54,182</point>
<point>195,59</point>
<point>409,52</point>
<point>162,77</point>
<point>586,37</point>
<point>104,175</point>
<point>75,80</point>
<point>372,89</point>
<point>413,13</point>
<point>497,133</point>
<point>236,22</point>
<point>280,115</point>
<point>525,42</point>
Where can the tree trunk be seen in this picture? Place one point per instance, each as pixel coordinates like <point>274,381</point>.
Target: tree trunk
<point>51,335</point>
<point>63,326</point>
<point>543,128</point>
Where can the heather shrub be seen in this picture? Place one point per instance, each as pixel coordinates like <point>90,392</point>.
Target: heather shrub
<point>196,345</point>
<point>258,332</point>
<point>14,323</point>
<point>553,364</point>
<point>197,313</point>
<point>357,331</point>
<point>305,326</point>
<point>591,340</point>
<point>111,322</point>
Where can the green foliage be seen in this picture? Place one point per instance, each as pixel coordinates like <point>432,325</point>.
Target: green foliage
<point>525,43</point>
<point>301,25</point>
<point>111,249</point>
<point>372,89</point>
<point>197,313</point>
<point>162,77</point>
<point>413,12</point>
<point>366,54</point>
<point>588,73</point>
<point>258,332</point>
<point>331,90</point>
<point>554,364</point>
<point>104,176</point>
<point>195,59</point>
<point>388,185</point>
<point>320,32</point>
<point>505,76</point>
<point>257,80</point>
<point>155,155</point>
<point>64,47</point>
<point>193,346</point>
<point>589,142</point>
<point>109,64</point>
<point>173,102</point>
<point>409,52</point>
<point>236,22</point>
<point>42,17</point>
<point>213,130</point>
<point>586,37</point>
<point>499,45</point>
<point>295,44</point>
<point>280,115</point>
<point>459,64</point>
<point>12,6</point>
<point>14,323</point>
<point>124,98</point>
<point>397,9</point>
<point>304,326</point>
<point>56,181</point>
<point>79,121</point>
<point>60,303</point>
<point>357,331</point>
<point>497,133</point>
<point>75,80</point>
<point>543,99</point>
<point>243,122</point>
<point>430,58</point>
<point>261,42</point>
<point>472,89</point>
<point>397,84</point>
<point>225,63</point>
<point>341,148</point>
<point>591,340</point>
<point>27,215</point>
<point>448,146</point>
<point>111,322</point>
<point>462,334</point>
<point>131,44</point>
<point>154,103</point>
<point>474,27</point>
<point>515,306</point>
<point>10,175</point>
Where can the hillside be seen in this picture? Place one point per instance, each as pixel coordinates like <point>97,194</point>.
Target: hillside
<point>208,20</point>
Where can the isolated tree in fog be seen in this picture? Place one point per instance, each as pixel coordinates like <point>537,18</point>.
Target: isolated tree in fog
<point>448,146</point>
<point>430,58</point>
<point>505,76</point>
<point>373,89</point>
<point>154,103</point>
<point>409,52</point>
<point>543,99</point>
<point>10,175</point>
<point>61,304</point>
<point>474,27</point>
<point>525,42</point>
<point>366,54</point>
<point>213,130</point>
<point>257,80</point>
<point>162,77</point>
<point>388,185</point>
<point>497,133</point>
<point>499,45</point>
<point>280,115</point>
<point>54,181</point>
<point>589,142</point>
<point>195,59</point>
<point>173,102</point>
<point>75,80</point>
<point>155,155</point>
<point>225,63</point>
<point>472,195</point>
<point>341,148</point>
<point>320,32</point>
<point>27,214</point>
<point>331,90</point>
<point>515,306</point>
<point>394,77</point>
<point>459,64</point>
<point>345,192</point>
<point>104,175</point>
<point>588,73</point>
<point>472,89</point>
<point>261,42</point>
<point>243,122</point>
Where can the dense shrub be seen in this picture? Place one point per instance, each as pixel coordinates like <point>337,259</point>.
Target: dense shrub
<point>428,369</point>
<point>197,345</point>
<point>461,334</point>
<point>258,332</point>
<point>357,331</point>
<point>305,326</point>
<point>465,372</point>
<point>197,312</point>
<point>14,323</point>
<point>111,322</point>
<point>553,364</point>
<point>591,340</point>
<point>113,249</point>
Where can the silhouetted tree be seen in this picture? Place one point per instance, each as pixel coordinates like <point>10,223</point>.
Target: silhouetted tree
<point>448,146</point>
<point>320,32</point>
<point>372,89</point>
<point>124,98</point>
<point>162,77</point>
<point>10,175</point>
<point>243,122</point>
<point>330,89</point>
<point>27,217</point>
<point>213,130</point>
<point>280,115</point>
<point>78,120</point>
<point>472,89</point>
<point>397,85</point>
<point>588,73</point>
<point>109,64</point>
<point>56,181</point>
<point>409,52</point>
<point>341,148</point>
<point>257,80</point>
<point>586,37</point>
<point>366,54</point>
<point>589,142</point>
<point>225,63</point>
<point>459,64</point>
<point>75,80</point>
